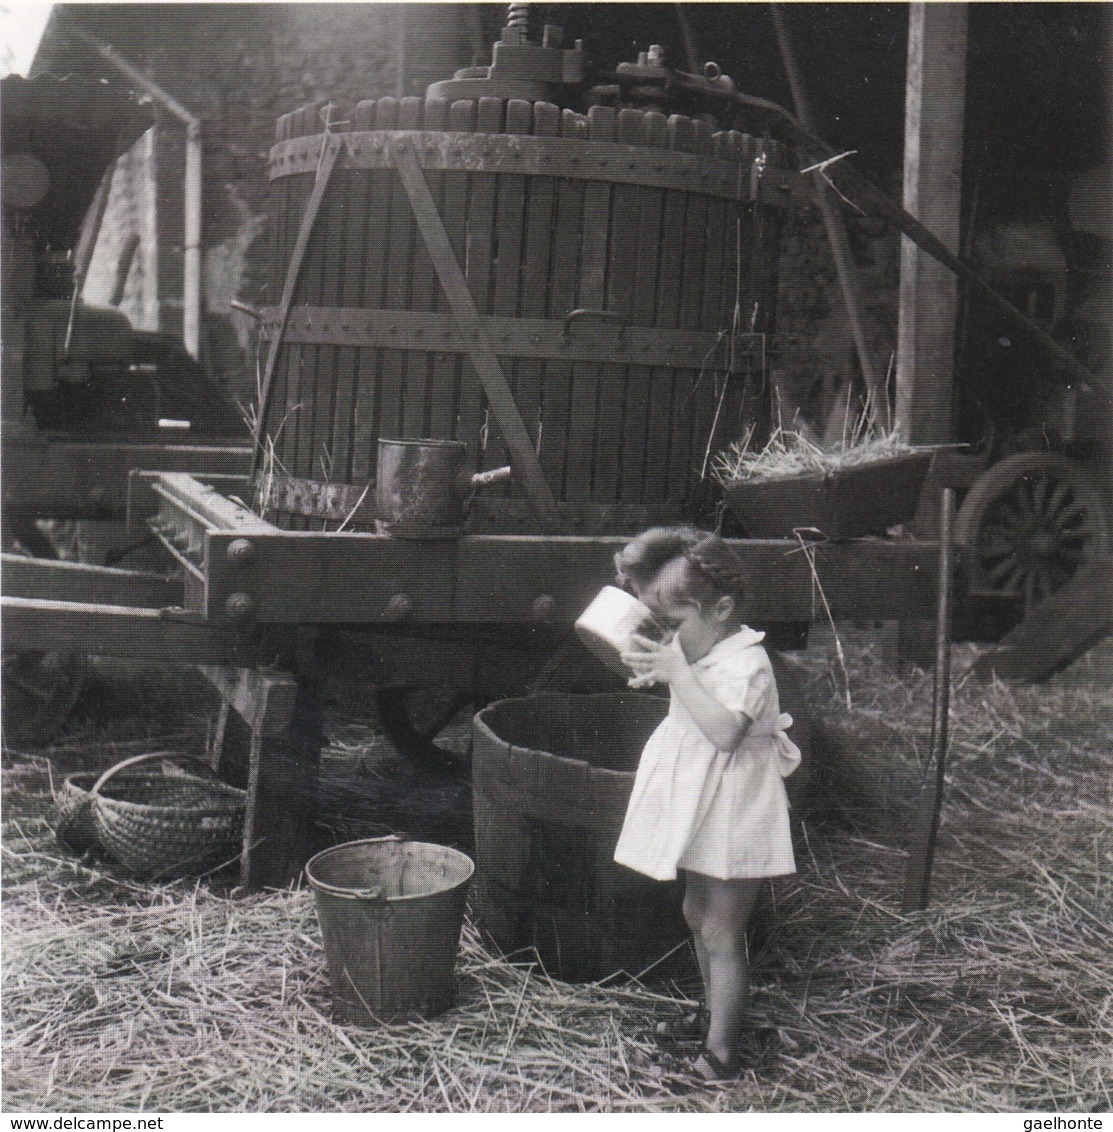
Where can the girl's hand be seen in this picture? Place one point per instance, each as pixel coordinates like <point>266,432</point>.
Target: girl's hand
<point>652,662</point>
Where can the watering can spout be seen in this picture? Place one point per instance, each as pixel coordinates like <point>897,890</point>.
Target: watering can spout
<point>471,483</point>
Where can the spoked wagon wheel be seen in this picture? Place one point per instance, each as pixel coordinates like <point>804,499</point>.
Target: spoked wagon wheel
<point>414,718</point>
<point>1027,525</point>
<point>40,691</point>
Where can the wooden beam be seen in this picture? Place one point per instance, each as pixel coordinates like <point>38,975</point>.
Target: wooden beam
<point>112,630</point>
<point>309,577</point>
<point>934,112</point>
<point>75,581</point>
<point>64,479</point>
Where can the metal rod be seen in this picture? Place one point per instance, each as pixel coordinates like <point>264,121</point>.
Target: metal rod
<point>917,877</point>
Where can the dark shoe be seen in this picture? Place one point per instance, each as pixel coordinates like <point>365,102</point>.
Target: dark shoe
<point>712,1071</point>
<point>688,1027</point>
<point>754,1047</point>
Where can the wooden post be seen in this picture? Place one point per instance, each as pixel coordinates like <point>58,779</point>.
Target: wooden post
<point>265,723</point>
<point>934,110</point>
<point>921,853</point>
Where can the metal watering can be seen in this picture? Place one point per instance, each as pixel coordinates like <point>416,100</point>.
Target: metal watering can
<point>423,490</point>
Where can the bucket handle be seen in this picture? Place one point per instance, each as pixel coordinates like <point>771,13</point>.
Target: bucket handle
<point>150,756</point>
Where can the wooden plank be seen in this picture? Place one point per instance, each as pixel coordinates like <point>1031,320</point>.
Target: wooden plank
<point>454,202</point>
<point>692,418</point>
<point>355,193</point>
<point>50,580</point>
<point>367,405</point>
<point>591,295</point>
<point>422,380</point>
<point>397,258</point>
<point>282,768</point>
<point>327,279</point>
<point>932,182</point>
<point>634,129</point>
<point>64,479</point>
<point>557,391</point>
<point>479,239</point>
<point>330,152</point>
<point>111,630</point>
<point>1058,631</point>
<point>622,237</point>
<point>529,384</point>
<point>511,225</point>
<point>305,577</point>
<point>524,459</point>
<point>666,393</point>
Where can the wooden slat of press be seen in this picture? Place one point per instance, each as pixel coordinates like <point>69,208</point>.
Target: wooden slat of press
<point>339,218</point>
<point>616,379</point>
<point>363,399</point>
<point>657,377</point>
<point>556,408</point>
<point>280,220</point>
<point>301,383</point>
<point>326,266</point>
<point>439,410</point>
<point>469,216</point>
<point>367,407</point>
<point>479,272</point>
<point>420,377</point>
<point>357,197</point>
<point>735,422</point>
<point>640,244</point>
<point>298,427</point>
<point>509,223</point>
<point>324,263</point>
<point>397,260</point>
<point>667,394</point>
<point>445,367</point>
<point>591,295</point>
<point>715,318</point>
<point>692,415</point>
<point>530,373</point>
<point>276,434</point>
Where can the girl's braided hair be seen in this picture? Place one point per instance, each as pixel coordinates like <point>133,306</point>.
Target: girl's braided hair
<point>714,567</point>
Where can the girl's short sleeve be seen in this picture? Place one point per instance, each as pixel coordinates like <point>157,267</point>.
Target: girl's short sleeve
<point>742,681</point>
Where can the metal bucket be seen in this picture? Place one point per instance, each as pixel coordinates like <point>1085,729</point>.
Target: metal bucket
<point>423,490</point>
<point>390,913</point>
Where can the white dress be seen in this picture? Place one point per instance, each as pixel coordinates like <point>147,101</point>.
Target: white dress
<point>720,813</point>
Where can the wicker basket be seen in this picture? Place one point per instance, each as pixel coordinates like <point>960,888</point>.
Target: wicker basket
<point>160,826</point>
<point>73,815</point>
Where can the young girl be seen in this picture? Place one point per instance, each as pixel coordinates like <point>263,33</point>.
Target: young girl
<point>709,799</point>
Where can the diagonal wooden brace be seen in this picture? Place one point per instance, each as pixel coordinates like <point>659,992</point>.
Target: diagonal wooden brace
<point>331,149</point>
<point>527,467</point>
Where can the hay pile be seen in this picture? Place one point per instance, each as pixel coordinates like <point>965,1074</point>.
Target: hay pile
<point>790,452</point>
<point>184,998</point>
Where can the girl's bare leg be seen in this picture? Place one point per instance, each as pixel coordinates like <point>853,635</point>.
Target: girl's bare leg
<point>726,906</point>
<point>695,904</point>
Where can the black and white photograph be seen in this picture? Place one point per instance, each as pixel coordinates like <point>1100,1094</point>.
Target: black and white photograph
<point>557,559</point>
